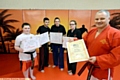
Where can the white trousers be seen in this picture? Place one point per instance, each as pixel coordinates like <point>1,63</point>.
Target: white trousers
<point>94,78</point>
<point>109,77</point>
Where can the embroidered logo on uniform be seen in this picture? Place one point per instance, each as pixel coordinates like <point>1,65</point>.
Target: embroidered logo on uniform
<point>103,41</point>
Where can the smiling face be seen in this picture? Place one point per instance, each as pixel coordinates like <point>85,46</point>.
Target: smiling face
<point>26,29</point>
<point>57,22</point>
<point>72,25</point>
<point>46,22</point>
<point>101,20</point>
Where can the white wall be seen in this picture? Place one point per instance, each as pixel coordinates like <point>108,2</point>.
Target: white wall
<point>60,4</point>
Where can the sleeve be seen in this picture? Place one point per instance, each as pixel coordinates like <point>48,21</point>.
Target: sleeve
<point>38,30</point>
<point>51,29</point>
<point>79,35</point>
<point>111,59</point>
<point>85,39</point>
<point>48,30</point>
<point>68,33</point>
<point>17,41</point>
<point>86,30</point>
<point>86,35</point>
<point>64,32</point>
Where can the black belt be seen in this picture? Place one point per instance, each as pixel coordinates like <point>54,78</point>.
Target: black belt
<point>92,67</point>
<point>32,59</point>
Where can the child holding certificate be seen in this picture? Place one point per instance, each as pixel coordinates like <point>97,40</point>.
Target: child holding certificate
<point>27,59</point>
<point>73,32</point>
<point>43,50</point>
<point>58,51</point>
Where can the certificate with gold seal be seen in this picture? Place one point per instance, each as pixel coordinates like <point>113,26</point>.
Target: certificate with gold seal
<point>77,51</point>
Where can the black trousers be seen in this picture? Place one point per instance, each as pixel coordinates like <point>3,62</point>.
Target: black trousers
<point>43,57</point>
<point>71,66</point>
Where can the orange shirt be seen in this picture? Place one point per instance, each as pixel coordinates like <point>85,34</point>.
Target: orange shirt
<point>106,48</point>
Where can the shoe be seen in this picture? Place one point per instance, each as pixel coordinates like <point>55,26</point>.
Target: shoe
<point>53,66</point>
<point>49,65</point>
<point>42,71</point>
<point>70,73</point>
<point>61,69</point>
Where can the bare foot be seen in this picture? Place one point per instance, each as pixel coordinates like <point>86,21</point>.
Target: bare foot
<point>42,71</point>
<point>53,66</point>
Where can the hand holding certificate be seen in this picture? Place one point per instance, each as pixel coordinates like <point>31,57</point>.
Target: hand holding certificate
<point>65,40</point>
<point>77,51</point>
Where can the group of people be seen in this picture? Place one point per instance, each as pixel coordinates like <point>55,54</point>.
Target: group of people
<point>102,42</point>
<point>57,49</point>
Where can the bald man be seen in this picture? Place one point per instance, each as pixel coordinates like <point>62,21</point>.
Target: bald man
<point>103,44</point>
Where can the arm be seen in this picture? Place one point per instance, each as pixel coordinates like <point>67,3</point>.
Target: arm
<point>38,30</point>
<point>86,30</point>
<point>112,58</point>
<point>17,45</point>
<point>51,30</point>
<point>18,49</point>
<point>79,35</point>
<point>64,32</point>
<point>109,60</point>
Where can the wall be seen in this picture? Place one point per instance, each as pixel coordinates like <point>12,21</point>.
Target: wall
<point>60,4</point>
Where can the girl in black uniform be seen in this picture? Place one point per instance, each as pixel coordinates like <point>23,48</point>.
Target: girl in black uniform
<point>73,32</point>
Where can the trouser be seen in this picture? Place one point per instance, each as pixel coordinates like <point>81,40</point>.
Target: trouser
<point>71,66</point>
<point>58,55</point>
<point>32,59</point>
<point>43,57</point>
<point>94,78</point>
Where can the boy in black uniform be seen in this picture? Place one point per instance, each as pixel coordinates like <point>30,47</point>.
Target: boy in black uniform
<point>43,50</point>
<point>58,51</point>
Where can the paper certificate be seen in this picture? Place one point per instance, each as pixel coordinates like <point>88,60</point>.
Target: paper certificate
<point>56,37</point>
<point>44,38</point>
<point>30,43</point>
<point>65,40</point>
<point>77,51</point>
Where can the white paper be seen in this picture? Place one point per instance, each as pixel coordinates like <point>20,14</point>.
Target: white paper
<point>65,40</point>
<point>44,38</point>
<point>31,43</point>
<point>56,37</point>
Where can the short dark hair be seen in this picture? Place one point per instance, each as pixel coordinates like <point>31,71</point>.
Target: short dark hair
<point>25,24</point>
<point>74,22</point>
<point>45,19</point>
<point>83,25</point>
<point>56,18</point>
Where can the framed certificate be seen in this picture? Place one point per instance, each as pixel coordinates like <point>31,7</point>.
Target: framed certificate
<point>56,37</point>
<point>31,43</point>
<point>77,51</point>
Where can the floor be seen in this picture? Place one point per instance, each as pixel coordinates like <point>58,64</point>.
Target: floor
<point>9,68</point>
